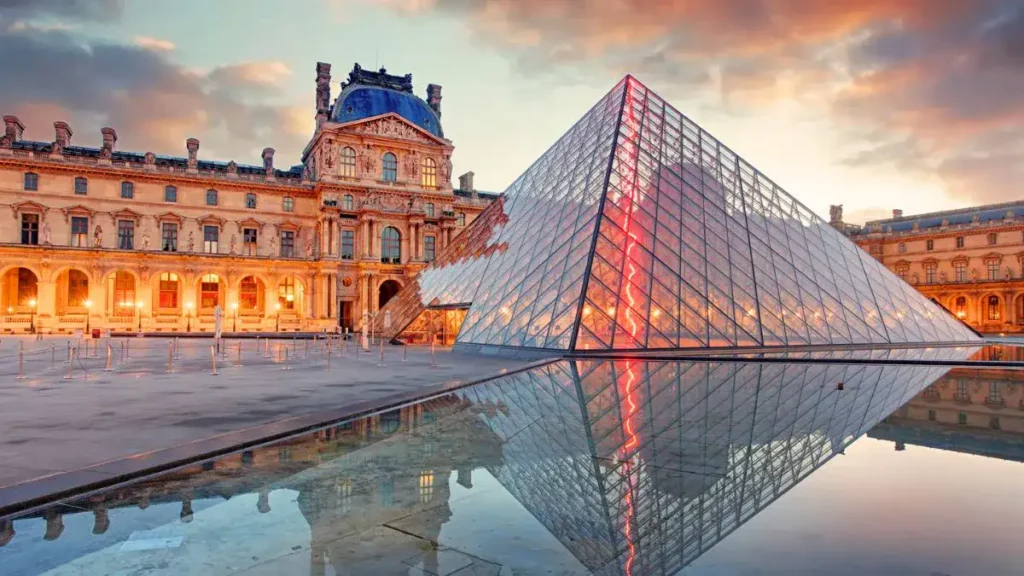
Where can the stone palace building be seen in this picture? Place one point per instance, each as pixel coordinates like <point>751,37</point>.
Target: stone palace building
<point>971,261</point>
<point>99,238</point>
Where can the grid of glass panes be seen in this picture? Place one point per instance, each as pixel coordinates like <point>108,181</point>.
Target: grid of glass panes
<point>348,244</point>
<point>80,231</point>
<point>125,234</point>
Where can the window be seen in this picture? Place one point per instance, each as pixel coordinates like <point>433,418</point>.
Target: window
<point>211,197</point>
<point>168,297</point>
<point>428,248</point>
<point>287,243</point>
<point>80,231</point>
<point>31,181</point>
<point>993,393</point>
<point>126,234</point>
<point>993,308</point>
<point>901,271</point>
<point>348,244</point>
<point>347,202</point>
<point>960,307</point>
<point>902,247</point>
<point>250,200</point>
<point>169,237</point>
<point>211,237</point>
<point>931,415</point>
<point>961,419</point>
<point>959,241</point>
<point>390,246</point>
<point>81,186</point>
<point>78,288</point>
<point>348,163</point>
<point>30,229</point>
<point>960,271</point>
<point>127,190</point>
<point>209,291</point>
<point>124,294</point>
<point>429,173</point>
<point>248,293</point>
<point>993,238</point>
<point>249,241</point>
<point>286,294</point>
<point>170,194</point>
<point>390,173</point>
<point>426,486</point>
<point>929,273</point>
<point>929,245</point>
<point>993,269</point>
<point>429,209</point>
<point>287,204</point>
<point>462,219</point>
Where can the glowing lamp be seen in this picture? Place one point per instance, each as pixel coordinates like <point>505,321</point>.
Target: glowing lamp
<point>32,303</point>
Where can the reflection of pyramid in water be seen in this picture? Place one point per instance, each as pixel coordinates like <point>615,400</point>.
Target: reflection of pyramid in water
<point>638,230</point>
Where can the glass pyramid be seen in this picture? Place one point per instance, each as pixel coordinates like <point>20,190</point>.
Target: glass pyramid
<point>639,230</point>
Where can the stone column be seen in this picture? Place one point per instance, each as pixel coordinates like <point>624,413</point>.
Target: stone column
<point>1011,316</point>
<point>46,305</point>
<point>337,238</point>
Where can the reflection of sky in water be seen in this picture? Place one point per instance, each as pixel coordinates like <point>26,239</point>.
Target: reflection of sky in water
<point>530,473</point>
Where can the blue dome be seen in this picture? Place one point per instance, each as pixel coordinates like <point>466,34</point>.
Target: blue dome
<point>357,102</point>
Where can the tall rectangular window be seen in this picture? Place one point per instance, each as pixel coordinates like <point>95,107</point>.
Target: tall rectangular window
<point>211,236</point>
<point>81,186</point>
<point>287,243</point>
<point>959,241</point>
<point>30,229</point>
<point>348,244</point>
<point>127,190</point>
<point>993,269</point>
<point>288,204</point>
<point>428,248</point>
<point>79,231</point>
<point>169,237</point>
<point>960,271</point>
<point>249,240</point>
<point>126,234</point>
<point>929,273</point>
<point>462,219</point>
<point>211,197</point>
<point>170,194</point>
<point>929,245</point>
<point>31,181</point>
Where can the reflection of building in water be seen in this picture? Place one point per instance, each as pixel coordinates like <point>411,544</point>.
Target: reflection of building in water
<point>641,467</point>
<point>963,412</point>
<point>349,477</point>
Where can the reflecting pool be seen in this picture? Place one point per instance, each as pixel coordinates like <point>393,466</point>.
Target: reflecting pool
<point>605,467</point>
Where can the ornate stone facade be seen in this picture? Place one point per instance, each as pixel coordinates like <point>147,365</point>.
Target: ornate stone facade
<point>971,261</point>
<point>105,239</point>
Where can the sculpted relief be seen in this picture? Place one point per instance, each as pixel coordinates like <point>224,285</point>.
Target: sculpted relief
<point>391,128</point>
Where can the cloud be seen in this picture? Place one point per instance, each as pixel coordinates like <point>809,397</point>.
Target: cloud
<point>155,44</point>
<point>925,86</point>
<point>152,102</point>
<point>92,10</point>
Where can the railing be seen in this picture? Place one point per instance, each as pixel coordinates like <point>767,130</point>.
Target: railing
<point>960,398</point>
<point>995,402</point>
<point>17,319</point>
<point>72,319</point>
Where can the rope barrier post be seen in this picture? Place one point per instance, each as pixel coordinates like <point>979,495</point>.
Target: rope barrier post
<point>122,353</point>
<point>21,360</point>
<point>127,349</point>
<point>294,343</point>
<point>305,353</point>
<point>287,366</point>
<point>405,353</point>
<point>53,356</point>
<point>110,354</point>
<point>170,357</point>
<point>381,364</point>
<point>433,361</point>
<point>68,361</point>
<point>328,355</point>
<point>213,360</point>
<point>239,362</point>
<point>71,366</point>
<point>266,347</point>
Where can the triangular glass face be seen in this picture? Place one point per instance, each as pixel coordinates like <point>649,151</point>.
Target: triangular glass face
<point>638,230</point>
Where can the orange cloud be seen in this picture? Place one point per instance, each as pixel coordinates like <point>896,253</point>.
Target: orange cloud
<point>150,43</point>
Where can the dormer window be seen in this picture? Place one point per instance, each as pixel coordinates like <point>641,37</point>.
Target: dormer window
<point>390,172</point>
<point>428,173</point>
<point>348,162</point>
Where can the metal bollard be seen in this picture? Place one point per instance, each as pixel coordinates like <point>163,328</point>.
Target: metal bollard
<point>110,354</point>
<point>21,360</point>
<point>213,359</point>
<point>71,366</point>
<point>170,357</point>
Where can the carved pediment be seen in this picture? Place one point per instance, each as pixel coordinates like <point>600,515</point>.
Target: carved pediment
<point>27,207</point>
<point>251,223</point>
<point>392,125</point>
<point>170,217</point>
<point>992,256</point>
<point>211,220</point>
<point>288,225</point>
<point>77,210</point>
<point>126,214</point>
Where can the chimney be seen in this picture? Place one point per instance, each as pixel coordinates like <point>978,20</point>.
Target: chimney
<point>268,161</point>
<point>13,129</point>
<point>465,477</point>
<point>192,144</point>
<point>62,137</point>
<point>109,140</point>
<point>466,181</point>
<point>323,92</point>
<point>434,98</point>
<point>897,213</point>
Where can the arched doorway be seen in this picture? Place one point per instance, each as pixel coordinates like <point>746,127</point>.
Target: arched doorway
<point>960,307</point>
<point>21,288</point>
<point>387,291</point>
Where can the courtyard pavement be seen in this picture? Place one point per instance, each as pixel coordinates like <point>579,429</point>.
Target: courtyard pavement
<point>51,424</point>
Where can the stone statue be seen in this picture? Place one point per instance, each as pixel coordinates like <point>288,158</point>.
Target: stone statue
<point>835,213</point>
<point>273,245</point>
<point>234,242</point>
<point>942,277</point>
<point>46,232</point>
<point>974,274</point>
<point>328,152</point>
<point>97,237</point>
<point>1009,274</point>
<point>446,170</point>
<point>309,243</point>
<point>191,241</point>
<point>145,241</point>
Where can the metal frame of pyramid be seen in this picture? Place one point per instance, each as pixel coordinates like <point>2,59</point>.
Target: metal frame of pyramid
<point>638,230</point>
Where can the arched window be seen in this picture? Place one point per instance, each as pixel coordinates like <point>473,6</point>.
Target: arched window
<point>390,173</point>
<point>168,290</point>
<point>462,219</point>
<point>28,287</point>
<point>348,162</point>
<point>993,308</point>
<point>286,294</point>
<point>78,288</point>
<point>390,246</point>
<point>250,200</point>
<point>209,291</point>
<point>429,173</point>
<point>960,307</point>
<point>347,202</point>
<point>249,293</point>
<point>429,209</point>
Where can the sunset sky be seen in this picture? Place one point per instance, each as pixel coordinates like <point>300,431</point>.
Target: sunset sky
<point>874,104</point>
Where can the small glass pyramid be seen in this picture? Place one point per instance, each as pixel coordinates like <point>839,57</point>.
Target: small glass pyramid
<point>639,230</point>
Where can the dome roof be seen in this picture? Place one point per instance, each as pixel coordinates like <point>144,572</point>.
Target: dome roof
<point>360,101</point>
